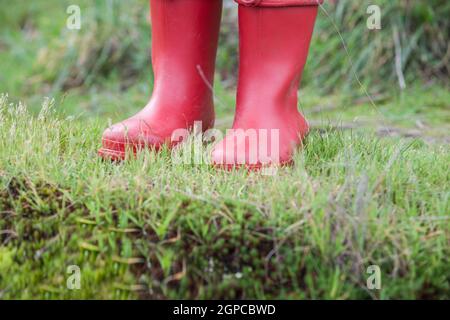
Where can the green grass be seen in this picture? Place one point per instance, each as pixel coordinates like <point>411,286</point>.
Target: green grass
<point>150,228</point>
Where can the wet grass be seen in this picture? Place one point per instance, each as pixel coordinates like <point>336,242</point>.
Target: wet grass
<point>150,228</point>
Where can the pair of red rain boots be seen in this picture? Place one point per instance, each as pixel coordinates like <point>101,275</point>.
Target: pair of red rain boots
<point>274,43</point>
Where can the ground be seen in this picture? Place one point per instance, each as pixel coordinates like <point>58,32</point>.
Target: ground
<point>150,228</point>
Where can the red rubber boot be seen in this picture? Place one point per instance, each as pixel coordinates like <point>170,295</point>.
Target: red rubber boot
<point>184,44</point>
<point>274,43</point>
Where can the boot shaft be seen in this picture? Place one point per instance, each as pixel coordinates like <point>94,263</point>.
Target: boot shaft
<point>184,45</point>
<point>274,45</point>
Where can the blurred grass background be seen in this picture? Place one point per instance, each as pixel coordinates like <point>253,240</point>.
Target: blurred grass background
<point>104,68</point>
<point>115,40</point>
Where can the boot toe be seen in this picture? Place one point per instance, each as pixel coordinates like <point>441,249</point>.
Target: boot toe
<point>125,137</point>
<point>231,154</point>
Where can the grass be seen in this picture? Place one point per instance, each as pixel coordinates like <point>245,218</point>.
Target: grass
<point>149,228</point>
<point>370,187</point>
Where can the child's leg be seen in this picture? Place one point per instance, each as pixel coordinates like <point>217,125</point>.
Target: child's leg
<point>274,43</point>
<point>184,44</point>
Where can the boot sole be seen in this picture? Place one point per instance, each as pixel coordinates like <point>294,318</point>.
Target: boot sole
<point>252,167</point>
<point>116,154</point>
<point>112,155</point>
